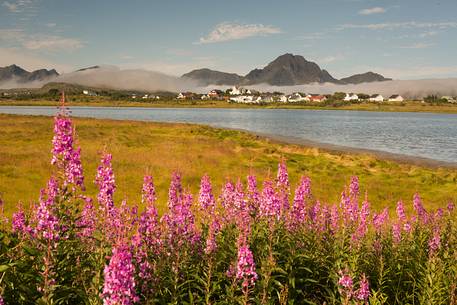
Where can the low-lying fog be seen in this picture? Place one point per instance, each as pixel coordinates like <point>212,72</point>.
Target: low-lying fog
<point>134,79</point>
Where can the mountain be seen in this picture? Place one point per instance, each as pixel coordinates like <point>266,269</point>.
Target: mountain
<point>207,77</point>
<point>367,77</point>
<point>287,70</point>
<point>19,75</point>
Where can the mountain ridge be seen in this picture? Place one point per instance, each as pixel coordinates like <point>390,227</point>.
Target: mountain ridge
<point>286,70</point>
<point>20,75</point>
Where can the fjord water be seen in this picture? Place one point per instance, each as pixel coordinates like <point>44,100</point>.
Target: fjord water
<point>426,135</point>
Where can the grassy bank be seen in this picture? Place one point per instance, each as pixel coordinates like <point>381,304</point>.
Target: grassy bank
<point>410,106</point>
<point>158,148</point>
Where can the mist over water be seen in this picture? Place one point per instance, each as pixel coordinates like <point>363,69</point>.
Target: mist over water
<point>143,80</point>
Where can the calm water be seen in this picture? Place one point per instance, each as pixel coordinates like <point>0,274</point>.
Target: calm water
<point>425,135</point>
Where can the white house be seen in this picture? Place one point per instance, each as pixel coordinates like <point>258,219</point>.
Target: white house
<point>351,97</point>
<point>297,97</point>
<point>283,99</point>
<point>246,99</point>
<point>396,98</point>
<point>235,91</point>
<point>205,97</point>
<point>145,96</point>
<point>376,98</point>
<point>181,96</point>
<point>449,99</point>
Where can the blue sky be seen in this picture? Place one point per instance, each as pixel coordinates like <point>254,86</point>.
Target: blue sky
<point>403,39</point>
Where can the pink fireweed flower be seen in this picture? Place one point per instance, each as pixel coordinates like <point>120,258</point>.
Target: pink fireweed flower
<point>283,185</point>
<point>63,153</point>
<point>380,219</point>
<point>354,188</point>
<point>396,232</point>
<point>438,214</point>
<point>407,227</point>
<point>19,222</point>
<point>147,242</point>
<point>180,222</point>
<point>450,207</point>
<point>119,285</point>
<point>148,228</point>
<point>435,242</point>
<point>419,208</point>
<point>47,223</point>
<point>206,198</point>
<point>175,191</point>
<point>346,284</point>
<point>334,219</point>
<point>245,267</point>
<point>350,209</point>
<point>87,222</point>
<point>126,221</point>
<point>148,195</point>
<point>227,198</point>
<point>106,184</point>
<point>214,229</point>
<point>239,197</point>
<point>253,195</point>
<point>303,191</point>
<point>270,205</point>
<point>362,227</point>
<point>363,293</point>
<point>322,217</point>
<point>401,211</point>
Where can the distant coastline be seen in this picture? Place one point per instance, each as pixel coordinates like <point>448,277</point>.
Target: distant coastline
<point>409,106</point>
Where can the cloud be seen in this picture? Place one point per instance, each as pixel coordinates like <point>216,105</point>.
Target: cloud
<point>419,45</point>
<point>406,88</point>
<point>128,79</point>
<point>400,25</point>
<point>12,7</point>
<point>428,34</point>
<point>19,38</point>
<point>373,10</point>
<point>8,35</point>
<point>51,24</point>
<point>17,6</point>
<point>227,31</point>
<point>53,43</point>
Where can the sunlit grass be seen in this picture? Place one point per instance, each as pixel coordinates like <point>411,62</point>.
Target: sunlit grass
<point>160,148</point>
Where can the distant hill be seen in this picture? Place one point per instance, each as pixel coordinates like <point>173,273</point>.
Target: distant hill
<point>19,75</point>
<point>206,77</point>
<point>285,70</point>
<point>368,77</point>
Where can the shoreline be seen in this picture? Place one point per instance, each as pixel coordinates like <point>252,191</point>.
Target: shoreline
<point>408,107</point>
<point>347,150</point>
<point>303,143</point>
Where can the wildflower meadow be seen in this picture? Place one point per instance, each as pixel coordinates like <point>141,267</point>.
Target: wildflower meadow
<point>244,244</point>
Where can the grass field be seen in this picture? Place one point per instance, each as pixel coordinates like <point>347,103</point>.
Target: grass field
<point>409,106</point>
<point>158,149</point>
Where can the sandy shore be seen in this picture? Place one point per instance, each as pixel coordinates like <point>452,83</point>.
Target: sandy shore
<point>340,149</point>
